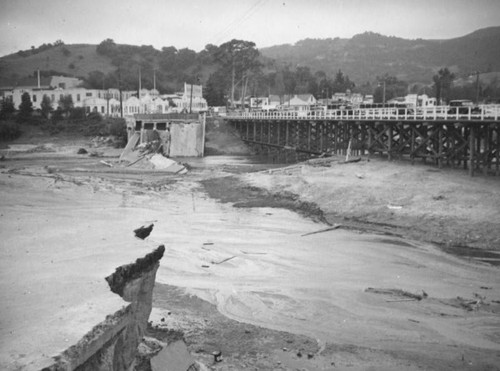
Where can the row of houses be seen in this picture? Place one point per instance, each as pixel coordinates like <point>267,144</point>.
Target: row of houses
<point>108,102</point>
<point>306,101</point>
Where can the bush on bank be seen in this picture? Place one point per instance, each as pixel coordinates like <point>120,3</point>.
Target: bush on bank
<point>75,123</point>
<point>9,130</point>
<point>91,126</point>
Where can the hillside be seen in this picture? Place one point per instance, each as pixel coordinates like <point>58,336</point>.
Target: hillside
<point>75,60</point>
<point>367,55</point>
<point>362,58</point>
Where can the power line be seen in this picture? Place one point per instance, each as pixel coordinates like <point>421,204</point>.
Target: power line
<point>222,35</point>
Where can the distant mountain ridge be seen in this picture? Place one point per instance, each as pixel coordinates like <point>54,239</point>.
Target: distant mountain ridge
<point>362,57</point>
<point>367,55</point>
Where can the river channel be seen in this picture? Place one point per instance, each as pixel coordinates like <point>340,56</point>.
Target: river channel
<point>263,266</point>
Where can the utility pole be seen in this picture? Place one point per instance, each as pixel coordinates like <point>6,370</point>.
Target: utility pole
<point>232,84</point>
<point>477,87</point>
<point>191,99</point>
<point>383,96</point>
<point>120,90</point>
<point>139,95</point>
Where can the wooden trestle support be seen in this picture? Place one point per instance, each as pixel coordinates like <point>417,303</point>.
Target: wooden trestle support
<point>473,145</point>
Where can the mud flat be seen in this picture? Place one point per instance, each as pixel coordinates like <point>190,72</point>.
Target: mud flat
<point>254,281</point>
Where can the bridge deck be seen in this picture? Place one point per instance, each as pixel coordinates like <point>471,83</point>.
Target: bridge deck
<point>485,113</point>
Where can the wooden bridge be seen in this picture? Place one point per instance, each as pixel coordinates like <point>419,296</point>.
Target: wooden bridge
<point>465,137</point>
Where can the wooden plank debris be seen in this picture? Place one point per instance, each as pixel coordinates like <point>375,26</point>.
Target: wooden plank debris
<point>224,260</point>
<point>336,226</point>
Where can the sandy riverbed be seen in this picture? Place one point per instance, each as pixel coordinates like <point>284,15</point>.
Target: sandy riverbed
<point>250,282</point>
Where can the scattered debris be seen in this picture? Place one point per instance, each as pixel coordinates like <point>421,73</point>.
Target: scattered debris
<point>336,226</point>
<point>205,266</point>
<point>106,163</point>
<point>358,159</point>
<point>398,292</point>
<point>143,232</point>
<point>96,154</point>
<point>101,141</point>
<point>360,176</point>
<point>224,260</point>
<point>217,356</point>
<point>136,161</point>
<point>413,320</point>
<point>394,207</point>
<point>322,161</point>
<point>208,243</point>
<point>82,151</point>
<point>253,253</point>
<point>438,198</point>
<point>470,304</point>
<point>485,288</point>
<point>41,148</point>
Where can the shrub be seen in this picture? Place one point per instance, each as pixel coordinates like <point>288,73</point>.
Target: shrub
<point>58,115</point>
<point>9,130</point>
<point>77,113</point>
<point>118,128</point>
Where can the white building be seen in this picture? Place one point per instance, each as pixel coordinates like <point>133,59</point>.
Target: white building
<point>107,102</point>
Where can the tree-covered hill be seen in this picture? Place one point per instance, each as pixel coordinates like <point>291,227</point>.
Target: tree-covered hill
<point>236,68</point>
<point>367,55</point>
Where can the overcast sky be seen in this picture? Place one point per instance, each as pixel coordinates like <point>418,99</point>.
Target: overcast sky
<point>196,23</point>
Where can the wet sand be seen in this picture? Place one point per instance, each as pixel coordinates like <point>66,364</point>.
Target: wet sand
<point>257,267</point>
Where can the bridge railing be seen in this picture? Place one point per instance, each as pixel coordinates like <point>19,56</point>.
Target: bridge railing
<point>435,113</point>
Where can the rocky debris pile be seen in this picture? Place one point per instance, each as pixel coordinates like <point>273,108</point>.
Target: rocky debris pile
<point>100,141</point>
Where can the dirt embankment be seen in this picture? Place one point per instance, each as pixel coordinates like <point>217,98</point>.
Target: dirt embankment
<point>444,207</point>
<point>206,331</point>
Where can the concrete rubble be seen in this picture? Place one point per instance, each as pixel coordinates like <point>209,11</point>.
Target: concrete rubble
<point>150,156</point>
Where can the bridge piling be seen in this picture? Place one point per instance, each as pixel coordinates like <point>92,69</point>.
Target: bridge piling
<point>471,141</point>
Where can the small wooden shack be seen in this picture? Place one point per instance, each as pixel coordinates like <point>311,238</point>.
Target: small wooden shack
<point>187,132</point>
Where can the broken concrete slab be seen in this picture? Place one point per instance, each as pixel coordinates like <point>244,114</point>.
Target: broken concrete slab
<point>174,357</point>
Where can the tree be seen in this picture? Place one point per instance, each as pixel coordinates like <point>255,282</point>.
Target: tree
<point>106,47</point>
<point>342,83</point>
<point>95,80</point>
<point>238,59</point>
<point>25,108</point>
<point>289,81</point>
<point>442,83</point>
<point>7,109</point>
<point>214,90</point>
<point>46,106</point>
<point>65,104</point>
